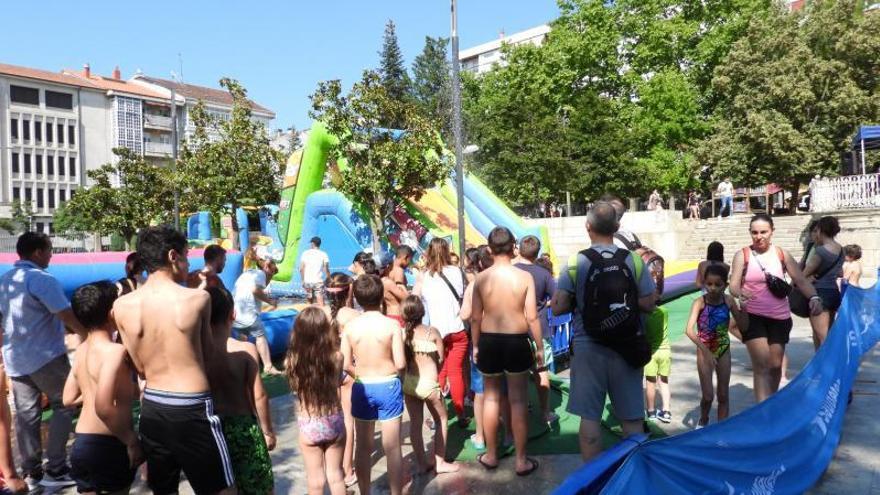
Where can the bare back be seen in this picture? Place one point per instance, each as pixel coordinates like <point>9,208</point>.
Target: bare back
<point>375,343</point>
<point>165,329</point>
<point>231,373</point>
<point>503,291</point>
<point>394,294</point>
<point>90,357</point>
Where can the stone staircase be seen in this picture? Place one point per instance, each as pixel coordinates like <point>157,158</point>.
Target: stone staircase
<point>733,232</point>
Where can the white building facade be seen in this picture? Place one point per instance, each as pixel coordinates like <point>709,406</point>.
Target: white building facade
<point>482,58</point>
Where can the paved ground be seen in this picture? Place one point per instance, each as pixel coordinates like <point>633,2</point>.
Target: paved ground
<point>854,470</point>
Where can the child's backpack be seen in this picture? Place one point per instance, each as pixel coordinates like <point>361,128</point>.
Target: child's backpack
<point>653,261</point>
<point>611,298</point>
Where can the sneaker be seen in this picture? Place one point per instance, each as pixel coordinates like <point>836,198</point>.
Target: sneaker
<point>33,480</point>
<point>652,415</point>
<point>664,416</point>
<point>57,479</point>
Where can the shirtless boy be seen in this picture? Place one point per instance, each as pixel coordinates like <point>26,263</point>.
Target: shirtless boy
<point>376,343</point>
<point>403,257</point>
<point>394,292</point>
<point>209,276</point>
<point>504,314</point>
<point>240,400</point>
<point>166,329</point>
<point>106,452</point>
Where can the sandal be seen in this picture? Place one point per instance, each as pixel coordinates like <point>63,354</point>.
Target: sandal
<point>350,482</point>
<point>486,465</point>
<point>529,470</point>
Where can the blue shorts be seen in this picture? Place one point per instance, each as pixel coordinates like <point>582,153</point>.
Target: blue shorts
<point>477,381</point>
<point>378,398</point>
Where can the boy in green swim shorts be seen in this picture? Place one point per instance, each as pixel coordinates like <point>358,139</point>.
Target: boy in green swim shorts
<point>240,401</point>
<point>657,370</point>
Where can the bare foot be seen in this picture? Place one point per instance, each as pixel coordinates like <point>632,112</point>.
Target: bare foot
<point>447,467</point>
<point>273,371</point>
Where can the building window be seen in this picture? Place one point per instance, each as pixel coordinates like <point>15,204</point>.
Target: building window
<point>38,164</point>
<point>21,94</point>
<point>61,166</point>
<point>26,129</point>
<point>16,193</point>
<point>28,194</point>
<point>51,198</point>
<point>15,163</point>
<point>38,131</point>
<point>49,138</point>
<point>13,128</point>
<point>27,163</point>
<point>72,163</point>
<point>70,135</point>
<point>60,133</point>
<point>50,165</point>
<point>51,227</point>
<point>59,100</point>
<point>39,226</point>
<point>62,196</point>
<point>128,124</point>
<point>40,199</point>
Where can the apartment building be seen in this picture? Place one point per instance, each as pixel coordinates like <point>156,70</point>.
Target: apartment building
<point>56,126</point>
<point>483,57</point>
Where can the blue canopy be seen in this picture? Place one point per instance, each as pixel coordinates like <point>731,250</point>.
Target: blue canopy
<point>870,134</point>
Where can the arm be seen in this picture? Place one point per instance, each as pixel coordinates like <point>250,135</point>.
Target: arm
<point>398,291</point>
<point>736,277</point>
<point>531,312</point>
<point>205,328</point>
<point>466,304</point>
<point>438,341</point>
<point>699,281</point>
<point>696,307</point>
<point>739,318</point>
<point>647,291</point>
<point>261,295</point>
<point>563,299</point>
<point>804,285</point>
<point>476,317</point>
<point>70,321</point>
<point>72,395</point>
<point>345,349</point>
<point>326,269</point>
<point>397,353</point>
<point>814,261</point>
<point>302,270</point>
<point>261,398</point>
<point>117,419</point>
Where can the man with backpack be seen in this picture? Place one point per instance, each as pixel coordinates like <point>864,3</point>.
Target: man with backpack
<point>608,289</point>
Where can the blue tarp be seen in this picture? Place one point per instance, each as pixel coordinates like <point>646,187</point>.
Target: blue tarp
<point>871,135</point>
<point>781,446</point>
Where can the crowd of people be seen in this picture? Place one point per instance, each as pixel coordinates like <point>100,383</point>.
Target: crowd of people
<point>372,344</point>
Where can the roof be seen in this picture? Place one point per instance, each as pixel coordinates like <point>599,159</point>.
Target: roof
<point>45,76</point>
<point>209,95</point>
<point>117,85</point>
<point>513,39</point>
<point>870,134</point>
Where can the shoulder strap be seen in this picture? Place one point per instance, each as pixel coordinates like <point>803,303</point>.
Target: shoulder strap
<point>638,264</point>
<point>626,242</point>
<point>746,253</point>
<point>572,267</point>
<point>831,266</point>
<point>451,287</point>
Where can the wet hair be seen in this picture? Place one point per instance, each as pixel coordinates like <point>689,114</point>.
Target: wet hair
<point>761,217</point>
<point>544,261</point>
<point>828,226</point>
<point>133,266</point>
<point>472,260</point>
<point>338,288</point>
<point>715,251</point>
<point>368,291</point>
<point>316,241</point>
<point>501,241</point>
<point>91,303</point>
<point>603,219</point>
<point>403,251</point>
<point>717,270</point>
<point>221,305</point>
<point>486,259</point>
<point>413,311</point>
<point>437,255</point>
<point>854,251</point>
<point>313,366</point>
<point>529,247</point>
<point>154,244</point>
<point>214,252</point>
<point>30,242</point>
<point>369,266</point>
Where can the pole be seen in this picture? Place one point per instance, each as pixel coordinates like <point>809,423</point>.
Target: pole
<point>456,133</point>
<point>863,156</point>
<point>174,158</point>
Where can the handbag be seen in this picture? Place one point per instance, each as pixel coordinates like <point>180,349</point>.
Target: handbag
<point>797,302</point>
<point>777,286</point>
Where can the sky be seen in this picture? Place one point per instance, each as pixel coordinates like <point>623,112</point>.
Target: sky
<point>278,49</point>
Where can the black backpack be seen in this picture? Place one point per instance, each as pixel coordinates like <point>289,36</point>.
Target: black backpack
<point>611,298</point>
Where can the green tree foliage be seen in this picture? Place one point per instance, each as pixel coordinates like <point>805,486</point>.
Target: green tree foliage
<point>392,72</point>
<point>143,197</point>
<point>382,170</point>
<point>791,93</point>
<point>431,86</point>
<point>228,163</point>
<point>22,212</point>
<point>295,142</point>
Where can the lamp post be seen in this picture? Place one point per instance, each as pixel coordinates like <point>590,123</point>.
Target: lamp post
<point>456,132</point>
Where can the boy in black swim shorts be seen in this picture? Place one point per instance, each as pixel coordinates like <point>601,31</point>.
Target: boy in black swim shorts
<point>106,451</point>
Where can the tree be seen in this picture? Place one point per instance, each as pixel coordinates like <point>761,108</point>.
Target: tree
<point>295,142</point>
<point>22,213</point>
<point>228,163</point>
<point>143,197</point>
<point>431,87</point>
<point>392,72</point>
<point>789,99</point>
<point>383,168</point>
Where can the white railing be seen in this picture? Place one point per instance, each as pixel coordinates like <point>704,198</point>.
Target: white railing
<point>157,148</point>
<point>843,193</point>
<point>157,121</point>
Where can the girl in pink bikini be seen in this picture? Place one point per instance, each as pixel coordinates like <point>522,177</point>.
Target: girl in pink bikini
<point>758,281</point>
<point>314,366</point>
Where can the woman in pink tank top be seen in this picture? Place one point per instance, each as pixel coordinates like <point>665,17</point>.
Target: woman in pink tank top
<point>769,317</point>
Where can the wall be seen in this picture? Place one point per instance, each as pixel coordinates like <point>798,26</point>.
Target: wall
<point>96,130</point>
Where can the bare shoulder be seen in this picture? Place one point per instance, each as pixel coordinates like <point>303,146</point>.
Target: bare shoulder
<point>250,349</point>
<point>434,333</point>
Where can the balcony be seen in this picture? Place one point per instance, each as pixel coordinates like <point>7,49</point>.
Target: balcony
<point>157,149</point>
<point>157,121</point>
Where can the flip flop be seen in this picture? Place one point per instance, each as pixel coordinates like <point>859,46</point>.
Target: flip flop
<point>529,470</point>
<point>486,465</point>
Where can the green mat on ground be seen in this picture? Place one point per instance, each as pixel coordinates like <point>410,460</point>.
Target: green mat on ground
<point>679,310</point>
<point>559,438</point>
